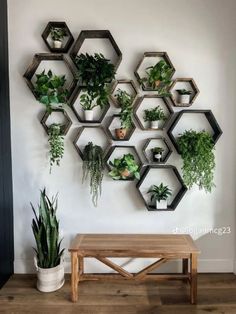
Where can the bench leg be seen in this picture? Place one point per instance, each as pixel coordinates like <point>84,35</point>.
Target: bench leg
<point>74,276</point>
<point>193,279</point>
<point>185,268</point>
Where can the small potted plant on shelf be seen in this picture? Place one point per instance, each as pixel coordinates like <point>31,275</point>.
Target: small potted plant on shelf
<point>50,89</point>
<point>56,143</point>
<point>197,152</point>
<point>124,100</point>
<point>94,166</point>
<point>159,77</point>
<point>57,34</point>
<point>94,73</point>
<point>184,96</point>
<point>160,195</point>
<point>48,260</point>
<point>124,168</point>
<point>157,153</point>
<point>153,116</point>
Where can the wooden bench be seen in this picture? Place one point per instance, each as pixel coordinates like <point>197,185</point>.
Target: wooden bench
<point>164,247</point>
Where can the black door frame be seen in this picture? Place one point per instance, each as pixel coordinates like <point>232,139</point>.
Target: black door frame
<point>6,200</point>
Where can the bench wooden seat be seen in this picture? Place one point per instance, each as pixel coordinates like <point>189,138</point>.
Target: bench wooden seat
<point>160,246</point>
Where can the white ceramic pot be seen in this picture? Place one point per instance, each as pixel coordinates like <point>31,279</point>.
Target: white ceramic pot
<point>57,44</point>
<point>161,205</point>
<point>50,279</point>
<point>184,99</point>
<point>154,124</point>
<point>157,156</point>
<point>88,115</point>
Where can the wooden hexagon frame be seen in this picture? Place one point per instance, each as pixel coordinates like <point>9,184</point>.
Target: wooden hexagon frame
<point>65,127</point>
<point>46,33</point>
<point>167,155</point>
<point>89,34</point>
<point>113,148</point>
<point>139,103</point>
<point>129,133</point>
<point>78,135</point>
<point>178,196</point>
<point>210,118</point>
<point>123,82</point>
<point>37,59</point>
<point>163,55</point>
<point>193,86</point>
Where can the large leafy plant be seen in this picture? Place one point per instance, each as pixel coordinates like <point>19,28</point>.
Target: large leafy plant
<point>154,114</point>
<point>50,89</point>
<point>125,100</point>
<point>58,33</point>
<point>94,166</point>
<point>121,165</point>
<point>45,226</point>
<point>160,192</point>
<point>159,77</point>
<point>197,152</point>
<point>56,143</point>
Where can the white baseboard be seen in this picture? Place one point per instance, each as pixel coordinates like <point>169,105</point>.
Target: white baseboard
<point>26,266</point>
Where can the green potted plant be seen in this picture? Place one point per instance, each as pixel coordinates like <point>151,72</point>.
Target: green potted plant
<point>94,73</point>
<point>160,195</point>
<point>94,167</point>
<point>124,168</point>
<point>124,100</point>
<point>157,153</point>
<point>48,259</point>
<point>197,152</point>
<point>153,116</point>
<point>159,77</point>
<point>50,89</point>
<point>184,96</point>
<point>56,143</point>
<point>57,34</point>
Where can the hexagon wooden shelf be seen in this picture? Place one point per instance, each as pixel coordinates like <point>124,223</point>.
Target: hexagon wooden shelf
<point>112,135</point>
<point>131,148</point>
<point>69,41</point>
<point>90,34</point>
<point>179,193</point>
<point>161,55</point>
<point>64,128</point>
<point>125,83</point>
<point>80,132</point>
<point>193,87</point>
<point>38,58</point>
<point>165,145</point>
<point>79,114</point>
<point>210,118</point>
<point>139,104</point>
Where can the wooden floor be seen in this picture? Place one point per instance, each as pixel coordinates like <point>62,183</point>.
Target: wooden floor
<point>216,294</point>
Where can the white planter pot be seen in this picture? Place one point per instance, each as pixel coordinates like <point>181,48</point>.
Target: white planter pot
<point>161,205</point>
<point>184,99</point>
<point>57,44</point>
<point>88,115</point>
<point>154,124</point>
<point>158,156</point>
<point>50,279</point>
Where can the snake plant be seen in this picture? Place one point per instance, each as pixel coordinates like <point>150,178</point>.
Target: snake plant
<point>45,226</point>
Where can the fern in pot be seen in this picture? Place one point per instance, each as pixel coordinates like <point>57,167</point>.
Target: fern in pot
<point>57,34</point>
<point>48,259</point>
<point>56,143</point>
<point>93,167</point>
<point>154,116</point>
<point>160,195</point>
<point>125,100</point>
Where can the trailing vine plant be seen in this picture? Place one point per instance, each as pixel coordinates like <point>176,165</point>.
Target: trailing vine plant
<point>197,152</point>
<point>56,143</point>
<point>94,166</point>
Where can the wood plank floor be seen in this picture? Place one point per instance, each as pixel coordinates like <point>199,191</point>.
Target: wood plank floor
<point>216,294</point>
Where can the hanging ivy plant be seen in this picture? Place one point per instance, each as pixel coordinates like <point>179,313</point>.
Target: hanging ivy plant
<point>56,143</point>
<point>197,152</point>
<point>94,166</point>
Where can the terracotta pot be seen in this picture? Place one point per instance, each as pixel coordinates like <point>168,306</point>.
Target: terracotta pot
<point>121,133</point>
<point>125,173</point>
<point>157,83</point>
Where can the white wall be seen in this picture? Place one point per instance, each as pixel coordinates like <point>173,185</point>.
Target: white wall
<point>199,38</point>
